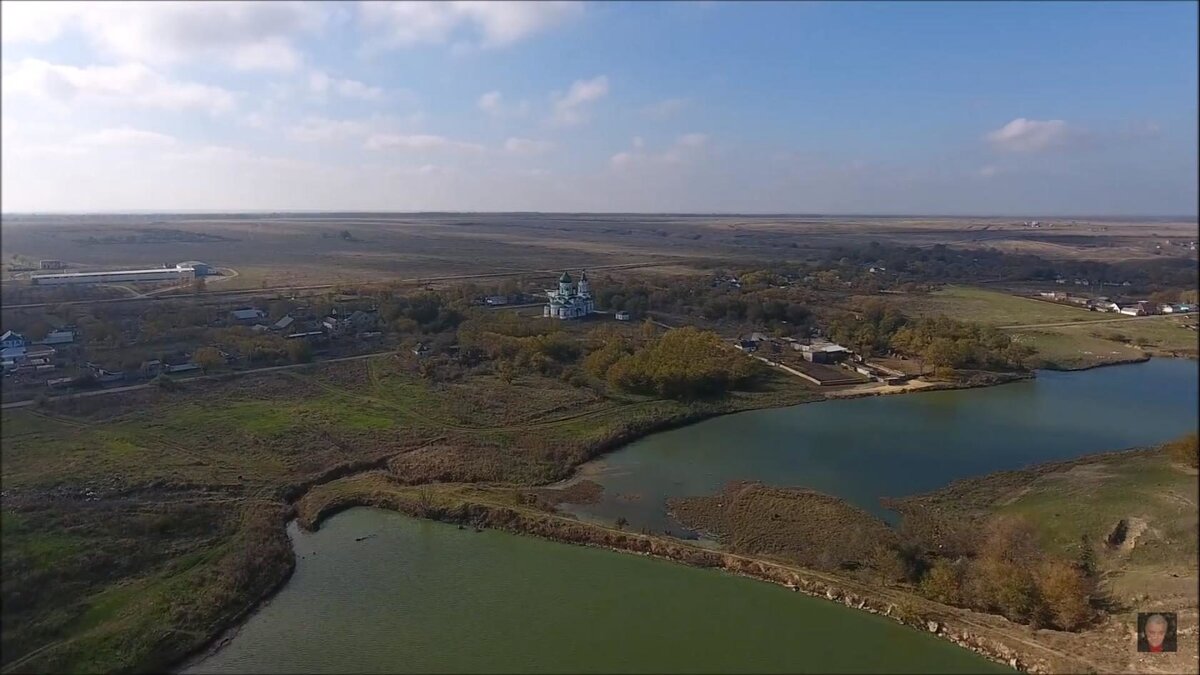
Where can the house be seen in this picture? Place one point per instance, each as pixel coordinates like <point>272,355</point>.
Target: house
<point>623,316</point>
<point>181,367</point>
<point>11,340</point>
<point>1166,309</point>
<point>495,300</point>
<point>760,337</point>
<point>1147,307</point>
<point>361,321</point>
<point>1105,306</point>
<point>248,314</point>
<point>150,368</point>
<point>1057,296</point>
<point>421,350</point>
<point>58,337</point>
<point>1132,310</point>
<point>283,323</point>
<point>748,346</point>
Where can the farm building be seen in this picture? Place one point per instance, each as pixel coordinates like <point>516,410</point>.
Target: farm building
<point>248,314</point>
<point>824,352</point>
<point>178,273</point>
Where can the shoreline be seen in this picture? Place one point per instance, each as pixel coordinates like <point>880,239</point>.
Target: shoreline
<point>954,625</point>
<point>964,637</point>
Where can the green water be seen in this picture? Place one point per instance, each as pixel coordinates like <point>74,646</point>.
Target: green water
<point>422,596</point>
<point>867,448</point>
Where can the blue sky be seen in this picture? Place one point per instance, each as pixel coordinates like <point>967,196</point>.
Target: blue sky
<point>936,108</point>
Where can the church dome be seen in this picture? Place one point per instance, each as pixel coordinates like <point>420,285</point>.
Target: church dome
<point>565,278</point>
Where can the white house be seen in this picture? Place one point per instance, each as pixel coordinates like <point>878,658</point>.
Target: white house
<point>11,340</point>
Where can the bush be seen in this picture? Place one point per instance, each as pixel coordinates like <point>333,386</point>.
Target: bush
<point>1185,450</point>
<point>944,582</point>
<point>1066,593</point>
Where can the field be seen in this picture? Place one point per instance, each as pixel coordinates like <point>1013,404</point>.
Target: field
<point>993,307</point>
<point>296,249</point>
<point>1065,337</point>
<point>137,526</point>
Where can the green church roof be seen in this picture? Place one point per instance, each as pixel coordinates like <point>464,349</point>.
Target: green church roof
<point>565,278</point>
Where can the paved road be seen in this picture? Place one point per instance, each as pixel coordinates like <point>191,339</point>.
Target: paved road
<point>236,373</point>
<point>1091,322</point>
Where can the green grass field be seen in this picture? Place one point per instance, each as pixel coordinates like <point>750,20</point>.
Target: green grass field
<point>992,307</point>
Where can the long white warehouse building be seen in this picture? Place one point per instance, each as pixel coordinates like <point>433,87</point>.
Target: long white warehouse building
<point>177,274</point>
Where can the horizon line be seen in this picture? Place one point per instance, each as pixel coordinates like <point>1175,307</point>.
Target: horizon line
<point>759,214</point>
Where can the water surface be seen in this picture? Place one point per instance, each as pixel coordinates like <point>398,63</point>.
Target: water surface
<point>422,596</point>
<point>867,448</point>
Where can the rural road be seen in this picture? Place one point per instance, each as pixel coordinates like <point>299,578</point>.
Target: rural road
<point>1090,322</point>
<point>236,373</point>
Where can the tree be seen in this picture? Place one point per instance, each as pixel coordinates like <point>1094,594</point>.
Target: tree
<point>299,351</point>
<point>198,284</point>
<point>1066,593</point>
<point>944,582</point>
<point>208,358</point>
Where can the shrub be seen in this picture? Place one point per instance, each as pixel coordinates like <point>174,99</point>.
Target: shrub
<point>1186,450</point>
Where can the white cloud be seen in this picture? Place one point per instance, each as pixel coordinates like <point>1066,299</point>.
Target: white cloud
<point>685,147</point>
<point>664,109</point>
<point>571,108</point>
<point>130,84</point>
<point>245,35</point>
<point>526,146</point>
<point>1024,135</point>
<point>490,102</point>
<point>988,171</point>
<point>319,129</point>
<point>489,24</point>
<point>321,83</point>
<point>419,142</point>
<point>36,22</point>
<point>125,136</point>
<point>493,103</point>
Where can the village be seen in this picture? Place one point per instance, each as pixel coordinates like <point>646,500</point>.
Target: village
<point>61,351</point>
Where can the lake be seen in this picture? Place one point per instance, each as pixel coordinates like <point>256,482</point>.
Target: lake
<point>866,448</point>
<point>422,596</point>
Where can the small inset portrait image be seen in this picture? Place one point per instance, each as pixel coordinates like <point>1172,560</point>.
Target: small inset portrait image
<point>1156,631</point>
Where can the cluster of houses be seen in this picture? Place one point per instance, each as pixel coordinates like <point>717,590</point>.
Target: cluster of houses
<point>815,350</point>
<point>822,352</point>
<point>361,323</point>
<point>20,356</point>
<point>1131,308</point>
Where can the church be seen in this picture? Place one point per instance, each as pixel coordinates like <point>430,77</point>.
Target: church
<point>569,302</point>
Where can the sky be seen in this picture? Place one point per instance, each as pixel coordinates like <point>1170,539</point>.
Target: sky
<point>810,107</point>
